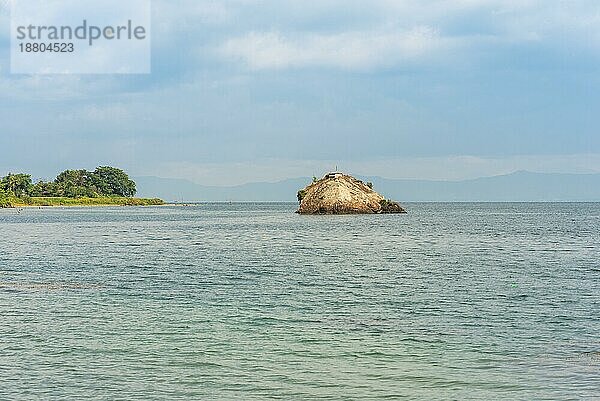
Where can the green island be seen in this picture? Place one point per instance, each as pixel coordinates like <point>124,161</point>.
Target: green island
<point>105,186</point>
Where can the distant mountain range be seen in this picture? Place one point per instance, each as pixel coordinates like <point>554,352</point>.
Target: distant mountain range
<point>518,186</point>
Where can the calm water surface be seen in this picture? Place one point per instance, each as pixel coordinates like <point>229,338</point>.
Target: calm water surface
<point>250,301</point>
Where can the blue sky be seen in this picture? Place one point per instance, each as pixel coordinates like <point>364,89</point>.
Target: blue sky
<point>250,90</point>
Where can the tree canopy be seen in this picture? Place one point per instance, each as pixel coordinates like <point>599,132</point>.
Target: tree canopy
<point>103,181</point>
<point>16,184</point>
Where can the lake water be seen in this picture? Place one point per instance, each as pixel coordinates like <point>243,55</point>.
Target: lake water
<point>251,301</point>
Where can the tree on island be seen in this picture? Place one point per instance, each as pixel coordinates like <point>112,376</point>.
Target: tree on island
<point>16,184</point>
<point>104,181</point>
<point>73,184</point>
<point>111,180</point>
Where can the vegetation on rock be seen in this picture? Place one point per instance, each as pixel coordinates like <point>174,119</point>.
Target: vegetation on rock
<point>389,206</point>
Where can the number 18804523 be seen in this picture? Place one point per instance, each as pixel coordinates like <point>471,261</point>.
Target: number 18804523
<point>46,47</point>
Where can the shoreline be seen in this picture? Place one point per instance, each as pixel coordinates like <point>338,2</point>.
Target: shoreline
<point>47,202</point>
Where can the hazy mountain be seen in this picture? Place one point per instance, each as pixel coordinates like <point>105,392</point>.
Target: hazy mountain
<point>187,191</point>
<point>519,186</point>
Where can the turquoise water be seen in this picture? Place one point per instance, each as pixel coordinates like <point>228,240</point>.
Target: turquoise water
<point>251,301</point>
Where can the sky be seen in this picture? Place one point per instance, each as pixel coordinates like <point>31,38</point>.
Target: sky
<point>258,90</point>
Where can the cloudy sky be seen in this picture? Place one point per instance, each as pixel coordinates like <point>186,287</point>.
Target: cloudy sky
<point>259,90</point>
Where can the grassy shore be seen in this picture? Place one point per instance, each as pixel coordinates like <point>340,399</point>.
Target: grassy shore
<point>101,201</point>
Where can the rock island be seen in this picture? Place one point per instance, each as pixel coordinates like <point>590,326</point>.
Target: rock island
<point>339,193</point>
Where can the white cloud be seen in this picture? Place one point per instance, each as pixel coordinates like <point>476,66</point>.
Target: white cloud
<point>352,50</point>
<point>388,33</point>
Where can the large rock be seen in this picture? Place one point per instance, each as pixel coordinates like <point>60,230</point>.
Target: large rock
<point>338,193</point>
